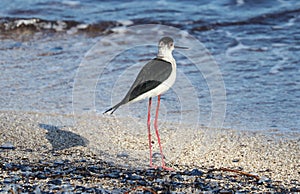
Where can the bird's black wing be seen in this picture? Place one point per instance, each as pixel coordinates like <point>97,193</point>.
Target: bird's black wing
<point>151,75</point>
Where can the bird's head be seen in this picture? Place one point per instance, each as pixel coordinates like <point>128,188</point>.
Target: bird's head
<point>166,43</point>
<point>166,46</point>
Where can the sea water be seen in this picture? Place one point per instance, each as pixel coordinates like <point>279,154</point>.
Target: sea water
<point>255,46</point>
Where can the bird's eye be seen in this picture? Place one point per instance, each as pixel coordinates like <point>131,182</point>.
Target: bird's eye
<point>171,44</point>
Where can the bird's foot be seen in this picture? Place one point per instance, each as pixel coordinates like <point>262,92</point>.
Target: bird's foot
<point>153,166</point>
<point>164,167</point>
<point>167,168</point>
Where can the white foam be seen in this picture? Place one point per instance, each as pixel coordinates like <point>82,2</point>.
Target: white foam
<point>125,22</point>
<point>236,48</point>
<point>279,45</point>
<point>46,25</point>
<point>73,30</point>
<point>240,2</point>
<point>82,26</point>
<point>60,26</point>
<point>291,22</point>
<point>120,30</point>
<point>71,3</point>
<point>26,22</point>
<point>184,34</point>
<point>275,69</point>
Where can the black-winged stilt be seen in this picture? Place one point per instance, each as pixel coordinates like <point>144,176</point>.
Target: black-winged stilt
<point>155,78</point>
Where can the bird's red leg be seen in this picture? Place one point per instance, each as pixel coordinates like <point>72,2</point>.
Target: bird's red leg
<point>157,134</point>
<point>149,130</point>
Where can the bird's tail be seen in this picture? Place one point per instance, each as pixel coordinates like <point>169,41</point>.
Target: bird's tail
<point>112,109</point>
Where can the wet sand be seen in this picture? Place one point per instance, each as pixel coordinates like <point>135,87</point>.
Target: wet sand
<point>30,139</point>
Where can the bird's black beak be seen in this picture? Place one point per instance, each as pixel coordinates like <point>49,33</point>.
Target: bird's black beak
<point>181,47</point>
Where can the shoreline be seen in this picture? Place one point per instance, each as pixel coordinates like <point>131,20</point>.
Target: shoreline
<point>122,144</point>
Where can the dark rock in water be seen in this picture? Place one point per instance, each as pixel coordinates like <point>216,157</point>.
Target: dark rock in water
<point>7,146</point>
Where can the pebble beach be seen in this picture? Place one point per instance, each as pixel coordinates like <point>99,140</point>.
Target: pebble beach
<point>105,154</point>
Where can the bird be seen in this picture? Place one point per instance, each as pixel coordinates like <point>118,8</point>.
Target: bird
<point>154,79</point>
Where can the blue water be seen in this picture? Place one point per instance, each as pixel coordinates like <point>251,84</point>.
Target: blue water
<point>256,45</point>
<point>175,12</point>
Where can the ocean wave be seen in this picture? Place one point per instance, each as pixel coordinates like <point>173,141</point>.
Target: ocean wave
<point>264,19</point>
<point>19,25</point>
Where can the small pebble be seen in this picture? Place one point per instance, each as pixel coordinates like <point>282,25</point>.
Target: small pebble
<point>114,175</point>
<point>196,172</point>
<point>7,146</point>
<point>59,162</point>
<point>7,180</point>
<point>55,182</point>
<point>263,179</point>
<point>235,160</point>
<point>122,155</point>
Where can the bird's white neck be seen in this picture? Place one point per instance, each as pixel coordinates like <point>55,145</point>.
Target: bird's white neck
<point>166,54</point>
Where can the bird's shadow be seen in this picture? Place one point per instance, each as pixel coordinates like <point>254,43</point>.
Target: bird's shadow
<point>61,139</point>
